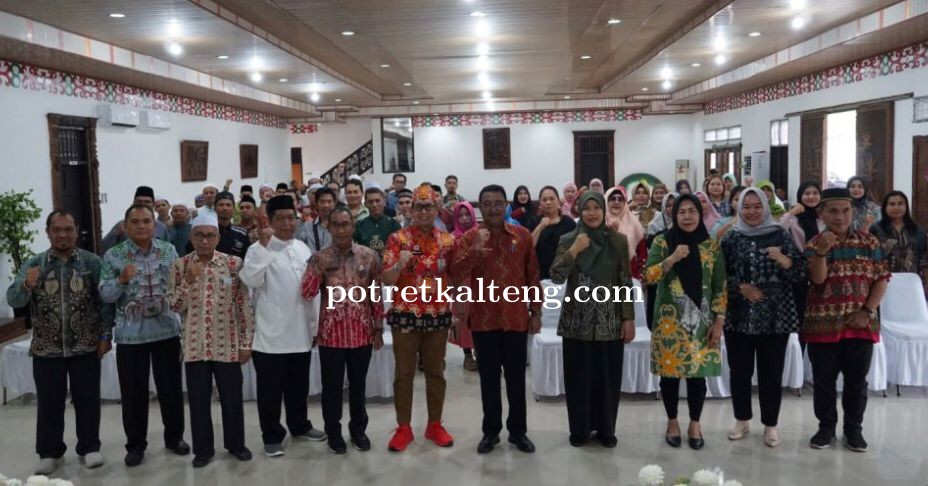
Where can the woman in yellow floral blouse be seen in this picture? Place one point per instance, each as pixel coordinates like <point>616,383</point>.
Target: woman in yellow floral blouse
<point>687,267</point>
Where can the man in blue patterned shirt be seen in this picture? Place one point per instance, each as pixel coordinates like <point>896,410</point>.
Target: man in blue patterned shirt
<point>135,278</point>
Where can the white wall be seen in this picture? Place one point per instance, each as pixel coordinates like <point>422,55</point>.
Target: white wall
<point>755,121</point>
<point>332,143</point>
<point>128,157</point>
<point>542,154</point>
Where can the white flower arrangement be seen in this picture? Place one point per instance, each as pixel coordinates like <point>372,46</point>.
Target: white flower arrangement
<point>34,481</point>
<point>732,482</point>
<point>705,477</point>
<point>651,475</point>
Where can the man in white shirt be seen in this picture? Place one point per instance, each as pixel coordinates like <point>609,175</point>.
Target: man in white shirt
<point>285,325</point>
<point>210,191</point>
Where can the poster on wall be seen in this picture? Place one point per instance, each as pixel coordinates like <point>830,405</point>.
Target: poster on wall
<point>194,156</point>
<point>248,160</point>
<point>631,182</point>
<point>397,144</point>
<point>496,153</point>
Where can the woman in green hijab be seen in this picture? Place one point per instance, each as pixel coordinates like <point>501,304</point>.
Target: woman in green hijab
<point>594,333</point>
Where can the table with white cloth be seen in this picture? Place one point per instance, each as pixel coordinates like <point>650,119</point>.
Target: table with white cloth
<point>547,370</point>
<point>16,373</point>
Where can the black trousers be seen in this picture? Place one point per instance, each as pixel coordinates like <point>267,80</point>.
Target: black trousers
<point>502,351</point>
<point>695,396</point>
<point>51,377</point>
<point>851,358</point>
<point>335,362</point>
<point>228,376</point>
<point>282,376</point>
<point>651,291</point>
<point>770,351</point>
<point>133,362</point>
<point>593,382</point>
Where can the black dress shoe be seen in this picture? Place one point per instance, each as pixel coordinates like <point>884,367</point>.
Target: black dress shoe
<point>243,455</point>
<point>673,440</point>
<point>523,443</point>
<point>134,458</point>
<point>577,441</point>
<point>337,444</point>
<point>201,461</point>
<point>487,444</point>
<point>610,441</point>
<point>696,443</point>
<point>361,442</point>
<point>181,448</point>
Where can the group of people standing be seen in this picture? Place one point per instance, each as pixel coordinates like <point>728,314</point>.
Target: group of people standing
<point>729,262</point>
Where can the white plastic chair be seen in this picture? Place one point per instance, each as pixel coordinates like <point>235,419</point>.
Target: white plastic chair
<point>904,323</point>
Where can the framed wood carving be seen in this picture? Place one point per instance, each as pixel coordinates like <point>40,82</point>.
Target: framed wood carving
<point>496,148</point>
<point>194,156</point>
<point>248,159</point>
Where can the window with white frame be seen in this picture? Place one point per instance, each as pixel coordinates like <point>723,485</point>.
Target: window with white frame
<point>722,135</point>
<point>779,133</point>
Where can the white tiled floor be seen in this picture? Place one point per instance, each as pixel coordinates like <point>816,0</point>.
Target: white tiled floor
<point>895,427</point>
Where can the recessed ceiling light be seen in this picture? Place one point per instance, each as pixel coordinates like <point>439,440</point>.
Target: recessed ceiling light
<point>385,66</point>
<point>256,77</point>
<point>117,15</point>
<point>483,28</point>
<point>695,64</point>
<point>567,97</point>
<point>586,57</point>
<point>754,34</point>
<point>173,28</point>
<point>666,73</point>
<point>478,14</point>
<point>222,57</point>
<point>483,48</point>
<point>719,43</point>
<point>314,97</point>
<point>798,22</point>
<point>486,95</point>
<point>347,33</point>
<point>797,4</point>
<point>407,84</point>
<point>338,100</point>
<point>614,21</point>
<point>666,84</point>
<point>415,102</point>
<point>644,89</point>
<point>482,61</point>
<point>283,80</point>
<point>175,49</point>
<point>720,59</point>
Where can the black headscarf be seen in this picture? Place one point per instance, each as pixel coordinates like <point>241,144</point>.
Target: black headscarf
<point>860,202</point>
<point>523,213</point>
<point>688,270</point>
<point>808,219</point>
<point>688,186</point>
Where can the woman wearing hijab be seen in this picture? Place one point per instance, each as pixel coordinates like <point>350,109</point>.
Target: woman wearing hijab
<point>723,225</point>
<point>662,222</point>
<point>903,241</point>
<point>710,215</point>
<point>465,218</point>
<point>683,187</point>
<point>657,197</point>
<point>594,333</point>
<point>730,182</point>
<point>866,212</point>
<point>801,221</point>
<point>641,204</point>
<point>523,210</point>
<point>762,264</point>
<point>777,208</point>
<point>688,268</point>
<point>570,200</point>
<point>619,217</point>
<point>597,185</point>
<point>552,224</point>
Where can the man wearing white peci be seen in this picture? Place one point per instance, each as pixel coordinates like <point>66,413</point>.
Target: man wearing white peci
<point>285,326</point>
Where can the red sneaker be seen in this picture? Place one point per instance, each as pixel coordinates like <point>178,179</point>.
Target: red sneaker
<point>437,434</point>
<point>402,436</point>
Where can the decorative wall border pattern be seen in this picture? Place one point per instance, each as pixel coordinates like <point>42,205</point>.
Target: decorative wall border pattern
<point>526,117</point>
<point>897,61</point>
<point>297,128</point>
<point>18,75</point>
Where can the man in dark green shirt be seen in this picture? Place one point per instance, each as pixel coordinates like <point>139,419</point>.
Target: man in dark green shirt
<point>374,230</point>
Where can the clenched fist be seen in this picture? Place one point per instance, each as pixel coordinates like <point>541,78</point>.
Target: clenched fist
<point>127,273</point>
<point>194,270</point>
<point>32,277</point>
<point>580,244</point>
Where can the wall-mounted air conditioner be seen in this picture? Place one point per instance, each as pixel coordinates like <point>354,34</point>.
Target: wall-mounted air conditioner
<point>118,116</point>
<point>154,120</point>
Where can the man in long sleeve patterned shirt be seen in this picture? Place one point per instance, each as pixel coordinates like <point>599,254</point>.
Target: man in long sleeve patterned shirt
<point>218,326</point>
<point>349,331</point>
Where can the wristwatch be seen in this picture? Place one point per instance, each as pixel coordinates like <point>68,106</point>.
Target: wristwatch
<point>870,312</point>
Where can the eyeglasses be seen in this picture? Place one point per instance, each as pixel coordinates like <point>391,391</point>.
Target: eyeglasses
<point>204,236</point>
<point>423,207</point>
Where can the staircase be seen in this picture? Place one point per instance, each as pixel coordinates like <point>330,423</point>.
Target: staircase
<point>359,162</point>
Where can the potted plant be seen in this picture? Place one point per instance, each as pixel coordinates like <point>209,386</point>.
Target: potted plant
<point>17,213</point>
